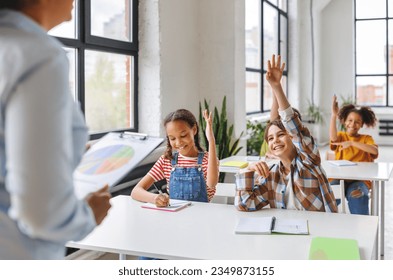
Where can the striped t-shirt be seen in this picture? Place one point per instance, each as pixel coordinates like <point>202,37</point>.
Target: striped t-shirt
<point>162,170</point>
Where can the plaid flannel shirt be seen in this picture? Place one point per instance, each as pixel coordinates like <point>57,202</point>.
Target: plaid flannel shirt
<point>310,184</point>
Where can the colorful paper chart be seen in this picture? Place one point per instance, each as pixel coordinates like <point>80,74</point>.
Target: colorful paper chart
<point>106,159</point>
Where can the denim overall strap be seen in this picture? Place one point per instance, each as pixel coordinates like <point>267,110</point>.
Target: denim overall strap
<point>188,183</point>
<point>174,159</point>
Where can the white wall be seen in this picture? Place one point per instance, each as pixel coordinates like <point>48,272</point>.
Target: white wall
<point>194,49</point>
<point>336,56</point>
<point>197,49</point>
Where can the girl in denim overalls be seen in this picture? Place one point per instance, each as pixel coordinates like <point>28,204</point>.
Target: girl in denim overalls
<point>184,165</point>
<point>191,173</point>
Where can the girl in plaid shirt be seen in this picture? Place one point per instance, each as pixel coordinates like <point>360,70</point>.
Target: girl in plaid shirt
<point>298,180</point>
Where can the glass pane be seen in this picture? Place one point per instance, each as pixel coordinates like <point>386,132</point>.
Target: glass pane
<point>370,9</point>
<point>274,2</point>
<point>282,4</point>
<point>390,9</point>
<point>283,39</point>
<point>253,34</point>
<point>71,55</point>
<point>109,91</point>
<point>370,47</point>
<point>371,91</point>
<point>390,91</point>
<point>267,95</point>
<point>270,32</point>
<point>390,38</point>
<point>111,19</point>
<point>66,29</point>
<point>253,92</point>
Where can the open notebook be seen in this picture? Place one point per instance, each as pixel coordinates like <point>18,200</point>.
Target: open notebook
<point>268,225</point>
<point>342,162</point>
<point>175,205</point>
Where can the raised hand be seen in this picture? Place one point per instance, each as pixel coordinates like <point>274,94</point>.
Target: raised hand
<point>209,125</point>
<point>274,71</point>
<point>335,106</point>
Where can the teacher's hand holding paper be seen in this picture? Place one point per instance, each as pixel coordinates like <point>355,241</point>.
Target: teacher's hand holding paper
<point>99,203</point>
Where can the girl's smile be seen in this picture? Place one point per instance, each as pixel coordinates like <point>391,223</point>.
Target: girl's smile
<point>181,138</point>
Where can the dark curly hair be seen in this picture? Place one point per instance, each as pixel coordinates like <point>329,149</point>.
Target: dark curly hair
<point>187,117</point>
<point>367,115</point>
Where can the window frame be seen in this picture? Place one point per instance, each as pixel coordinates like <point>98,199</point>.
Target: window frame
<point>263,68</point>
<point>386,75</point>
<point>85,41</point>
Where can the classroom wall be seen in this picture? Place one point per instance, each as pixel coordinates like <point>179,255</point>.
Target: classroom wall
<point>336,56</point>
<point>194,49</point>
<point>197,49</point>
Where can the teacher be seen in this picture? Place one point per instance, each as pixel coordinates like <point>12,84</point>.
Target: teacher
<point>42,137</point>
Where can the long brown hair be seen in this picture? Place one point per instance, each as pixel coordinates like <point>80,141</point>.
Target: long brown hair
<point>277,122</point>
<point>187,117</point>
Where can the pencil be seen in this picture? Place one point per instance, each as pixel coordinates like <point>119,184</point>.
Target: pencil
<point>160,192</point>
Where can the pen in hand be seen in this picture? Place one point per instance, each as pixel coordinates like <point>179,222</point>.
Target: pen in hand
<point>160,192</point>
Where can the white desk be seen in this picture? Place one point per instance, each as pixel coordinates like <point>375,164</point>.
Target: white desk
<point>378,172</point>
<point>206,231</point>
<point>225,193</point>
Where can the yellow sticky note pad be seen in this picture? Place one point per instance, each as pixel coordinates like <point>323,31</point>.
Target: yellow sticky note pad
<point>239,164</point>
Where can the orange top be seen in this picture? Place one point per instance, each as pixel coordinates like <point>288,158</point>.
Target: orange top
<point>352,153</point>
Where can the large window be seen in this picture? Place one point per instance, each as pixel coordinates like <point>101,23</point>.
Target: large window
<point>266,34</point>
<point>374,52</point>
<point>102,46</point>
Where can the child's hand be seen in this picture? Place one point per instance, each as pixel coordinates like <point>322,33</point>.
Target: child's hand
<point>161,200</point>
<point>343,145</point>
<point>274,71</point>
<point>335,106</point>
<point>260,168</point>
<point>209,125</point>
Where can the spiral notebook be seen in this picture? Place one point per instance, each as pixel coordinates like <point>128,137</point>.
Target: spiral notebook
<point>175,205</point>
<point>269,225</point>
<point>342,162</point>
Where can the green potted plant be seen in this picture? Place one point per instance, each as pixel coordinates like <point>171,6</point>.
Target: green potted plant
<point>314,114</point>
<point>223,132</point>
<point>255,133</point>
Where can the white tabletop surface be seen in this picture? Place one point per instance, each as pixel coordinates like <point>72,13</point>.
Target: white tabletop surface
<point>375,171</point>
<point>206,231</point>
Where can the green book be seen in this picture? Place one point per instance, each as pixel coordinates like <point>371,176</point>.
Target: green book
<point>326,248</point>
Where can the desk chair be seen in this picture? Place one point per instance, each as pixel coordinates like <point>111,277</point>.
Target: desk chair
<point>339,189</point>
<point>339,194</point>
